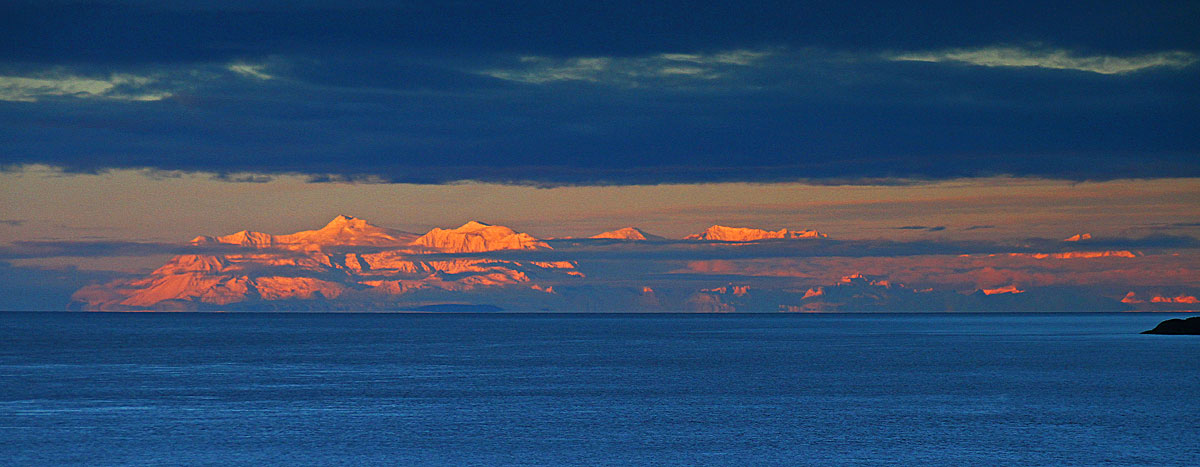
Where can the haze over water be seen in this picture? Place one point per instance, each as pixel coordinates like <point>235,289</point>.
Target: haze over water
<point>953,389</point>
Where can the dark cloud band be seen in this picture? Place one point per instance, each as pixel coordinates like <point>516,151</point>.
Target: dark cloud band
<point>547,95</point>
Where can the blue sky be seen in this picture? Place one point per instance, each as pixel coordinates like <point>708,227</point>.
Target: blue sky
<point>585,93</point>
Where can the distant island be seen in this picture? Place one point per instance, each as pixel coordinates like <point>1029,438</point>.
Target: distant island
<point>1177,327</point>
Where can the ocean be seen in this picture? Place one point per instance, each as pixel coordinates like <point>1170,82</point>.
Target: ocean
<point>615,389</point>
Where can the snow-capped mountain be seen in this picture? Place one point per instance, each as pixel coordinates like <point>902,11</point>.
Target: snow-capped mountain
<point>628,233</point>
<point>475,237</point>
<point>351,264</point>
<point>312,264</point>
<point>743,234</point>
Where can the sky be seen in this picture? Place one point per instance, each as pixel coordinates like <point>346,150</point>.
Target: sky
<point>995,122</point>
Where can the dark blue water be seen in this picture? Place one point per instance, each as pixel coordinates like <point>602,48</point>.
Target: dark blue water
<point>1081,389</point>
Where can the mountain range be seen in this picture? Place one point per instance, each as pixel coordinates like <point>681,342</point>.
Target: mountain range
<point>350,264</point>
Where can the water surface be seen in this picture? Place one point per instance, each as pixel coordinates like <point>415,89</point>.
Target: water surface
<point>1077,389</point>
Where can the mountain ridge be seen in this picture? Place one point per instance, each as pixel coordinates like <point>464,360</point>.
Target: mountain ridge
<point>628,233</point>
<point>351,264</point>
<point>748,234</point>
<point>303,266</point>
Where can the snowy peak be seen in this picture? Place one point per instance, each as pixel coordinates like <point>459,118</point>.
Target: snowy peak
<point>472,226</point>
<point>628,233</point>
<point>348,230</point>
<point>742,234</point>
<point>344,221</point>
<point>475,237</point>
<point>802,234</point>
<point>248,238</point>
<point>342,230</point>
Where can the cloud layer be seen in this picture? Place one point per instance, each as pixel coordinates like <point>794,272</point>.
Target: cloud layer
<point>121,87</point>
<point>618,93</point>
<point>660,70</point>
<point>1054,59</point>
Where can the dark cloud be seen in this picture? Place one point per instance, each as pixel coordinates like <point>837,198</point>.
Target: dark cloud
<point>169,31</point>
<point>12,222</point>
<point>1171,225</point>
<point>979,227</point>
<point>587,133</point>
<point>504,92</point>
<point>243,178</point>
<point>922,227</point>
